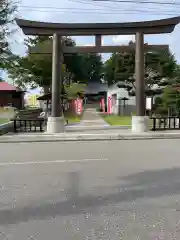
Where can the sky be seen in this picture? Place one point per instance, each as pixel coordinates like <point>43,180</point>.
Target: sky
<point>71,11</point>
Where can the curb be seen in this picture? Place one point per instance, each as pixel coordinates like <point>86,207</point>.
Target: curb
<point>86,137</point>
<point>95,127</point>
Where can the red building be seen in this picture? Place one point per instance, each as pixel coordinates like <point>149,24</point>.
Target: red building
<point>11,96</point>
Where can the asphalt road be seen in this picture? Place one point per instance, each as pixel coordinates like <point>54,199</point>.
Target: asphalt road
<point>87,191</point>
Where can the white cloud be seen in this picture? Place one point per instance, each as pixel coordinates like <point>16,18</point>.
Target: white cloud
<point>123,39</point>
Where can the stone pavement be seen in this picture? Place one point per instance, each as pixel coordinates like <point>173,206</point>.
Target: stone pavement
<point>109,190</point>
<point>92,118</point>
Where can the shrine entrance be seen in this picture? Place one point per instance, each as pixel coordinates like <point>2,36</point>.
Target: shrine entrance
<point>55,123</point>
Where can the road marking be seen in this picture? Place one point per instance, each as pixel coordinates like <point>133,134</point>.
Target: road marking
<point>50,162</point>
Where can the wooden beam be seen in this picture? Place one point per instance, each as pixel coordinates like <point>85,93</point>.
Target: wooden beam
<point>109,49</point>
<point>98,41</point>
<point>98,49</point>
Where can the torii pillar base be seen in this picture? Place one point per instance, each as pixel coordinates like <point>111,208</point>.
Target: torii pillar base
<point>55,125</point>
<point>139,124</point>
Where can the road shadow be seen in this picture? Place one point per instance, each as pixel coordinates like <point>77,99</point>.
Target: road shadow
<point>147,184</point>
<point>73,186</point>
<point>153,177</point>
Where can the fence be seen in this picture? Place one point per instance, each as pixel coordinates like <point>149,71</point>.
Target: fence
<point>29,121</point>
<point>29,113</point>
<point>165,123</point>
<point>29,125</point>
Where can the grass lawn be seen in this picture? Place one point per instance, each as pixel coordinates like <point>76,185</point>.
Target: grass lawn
<point>72,118</point>
<point>120,120</point>
<point>2,120</point>
<point>117,120</point>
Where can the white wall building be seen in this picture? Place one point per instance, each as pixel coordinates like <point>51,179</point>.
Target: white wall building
<point>120,106</point>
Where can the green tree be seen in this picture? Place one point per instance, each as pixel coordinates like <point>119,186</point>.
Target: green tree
<point>109,68</point>
<point>36,68</point>
<point>92,67</point>
<point>6,10</point>
<point>170,100</point>
<point>160,69</point>
<point>73,62</point>
<point>75,89</point>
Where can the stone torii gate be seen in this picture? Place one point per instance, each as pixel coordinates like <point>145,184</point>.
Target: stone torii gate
<point>58,30</point>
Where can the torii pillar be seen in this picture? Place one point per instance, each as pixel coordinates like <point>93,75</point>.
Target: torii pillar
<point>55,123</point>
<point>140,121</point>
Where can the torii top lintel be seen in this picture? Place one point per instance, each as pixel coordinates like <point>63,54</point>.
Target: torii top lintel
<point>75,29</point>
